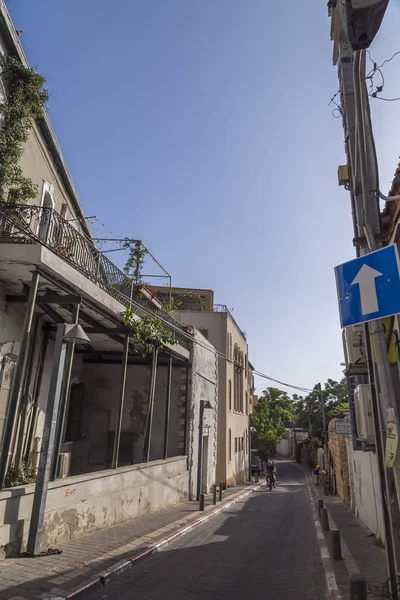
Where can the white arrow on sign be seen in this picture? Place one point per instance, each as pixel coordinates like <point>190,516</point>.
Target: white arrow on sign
<point>365,278</point>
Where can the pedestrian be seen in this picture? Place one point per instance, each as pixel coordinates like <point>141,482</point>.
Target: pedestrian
<point>316,473</point>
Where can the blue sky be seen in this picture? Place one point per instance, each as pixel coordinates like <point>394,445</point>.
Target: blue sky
<point>202,128</point>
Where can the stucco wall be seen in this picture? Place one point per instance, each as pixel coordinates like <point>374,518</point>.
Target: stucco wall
<point>218,326</point>
<point>283,448</point>
<point>203,387</point>
<point>78,505</point>
<point>366,500</point>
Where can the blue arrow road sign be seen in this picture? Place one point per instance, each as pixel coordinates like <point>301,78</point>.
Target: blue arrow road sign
<point>369,287</point>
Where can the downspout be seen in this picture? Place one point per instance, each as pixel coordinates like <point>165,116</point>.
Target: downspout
<point>35,395</point>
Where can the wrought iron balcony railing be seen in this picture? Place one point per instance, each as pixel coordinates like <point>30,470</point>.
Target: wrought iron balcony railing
<point>29,224</point>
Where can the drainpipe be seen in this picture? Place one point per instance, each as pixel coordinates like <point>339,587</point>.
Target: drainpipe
<point>61,420</point>
<point>19,374</point>
<point>117,436</point>
<point>150,412</point>
<point>35,394</point>
<point>167,408</point>
<point>20,437</point>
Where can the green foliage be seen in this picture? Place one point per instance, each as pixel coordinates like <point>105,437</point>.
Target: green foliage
<point>147,333</point>
<point>134,264</point>
<point>26,101</point>
<point>269,419</point>
<point>24,474</point>
<point>308,409</point>
<point>178,299</point>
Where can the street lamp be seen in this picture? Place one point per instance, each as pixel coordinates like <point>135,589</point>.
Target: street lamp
<point>361,20</point>
<point>204,404</point>
<point>66,334</point>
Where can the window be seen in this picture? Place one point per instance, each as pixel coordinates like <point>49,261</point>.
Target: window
<point>242,448</point>
<point>47,204</point>
<point>236,445</point>
<point>229,445</point>
<point>247,442</point>
<point>245,366</point>
<point>247,403</point>
<point>75,411</point>
<point>230,394</point>
<point>230,346</point>
<point>235,379</point>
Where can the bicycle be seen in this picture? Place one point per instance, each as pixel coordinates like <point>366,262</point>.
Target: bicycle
<point>328,487</point>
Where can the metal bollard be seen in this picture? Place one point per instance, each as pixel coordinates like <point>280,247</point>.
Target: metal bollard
<point>336,546</point>
<point>202,501</point>
<point>214,493</point>
<point>324,519</point>
<point>358,587</point>
<point>320,506</point>
<point>220,491</point>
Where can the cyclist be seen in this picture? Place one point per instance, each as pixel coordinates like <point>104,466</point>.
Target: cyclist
<point>271,470</point>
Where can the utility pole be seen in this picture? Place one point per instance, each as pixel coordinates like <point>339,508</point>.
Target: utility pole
<point>325,432</point>
<point>363,184</point>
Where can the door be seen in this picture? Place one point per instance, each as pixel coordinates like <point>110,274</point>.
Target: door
<point>204,474</point>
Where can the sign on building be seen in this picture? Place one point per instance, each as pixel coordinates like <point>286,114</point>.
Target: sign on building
<point>343,426</point>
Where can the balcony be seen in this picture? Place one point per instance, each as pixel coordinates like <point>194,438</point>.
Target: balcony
<point>28,224</point>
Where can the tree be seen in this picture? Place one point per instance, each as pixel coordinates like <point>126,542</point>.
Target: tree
<point>309,411</point>
<point>269,420</point>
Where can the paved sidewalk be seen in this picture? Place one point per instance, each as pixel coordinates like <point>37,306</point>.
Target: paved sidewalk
<point>83,558</point>
<point>362,552</point>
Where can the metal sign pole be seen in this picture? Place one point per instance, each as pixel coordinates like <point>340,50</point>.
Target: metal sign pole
<point>46,452</point>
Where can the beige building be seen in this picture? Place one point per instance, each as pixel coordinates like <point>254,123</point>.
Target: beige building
<point>125,423</point>
<point>235,381</point>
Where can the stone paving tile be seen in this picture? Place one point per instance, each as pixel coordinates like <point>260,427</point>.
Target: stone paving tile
<point>84,557</point>
<point>264,547</point>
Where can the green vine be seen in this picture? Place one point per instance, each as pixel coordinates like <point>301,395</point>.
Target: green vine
<point>22,475</point>
<point>26,101</point>
<point>134,264</point>
<point>147,333</point>
<point>178,299</point>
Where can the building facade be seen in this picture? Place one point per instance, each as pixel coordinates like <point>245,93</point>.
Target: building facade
<point>125,422</point>
<point>235,381</point>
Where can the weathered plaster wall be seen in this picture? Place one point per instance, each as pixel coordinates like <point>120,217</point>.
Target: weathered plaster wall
<point>78,505</point>
<point>203,387</point>
<point>338,448</point>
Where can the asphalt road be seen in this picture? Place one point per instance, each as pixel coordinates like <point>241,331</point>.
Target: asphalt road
<point>263,547</point>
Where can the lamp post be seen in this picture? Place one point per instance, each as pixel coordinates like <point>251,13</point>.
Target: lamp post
<point>66,334</point>
<point>203,405</point>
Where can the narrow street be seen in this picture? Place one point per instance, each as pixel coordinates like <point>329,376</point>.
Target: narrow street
<point>263,547</point>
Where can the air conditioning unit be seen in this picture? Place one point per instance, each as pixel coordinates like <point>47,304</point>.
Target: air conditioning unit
<point>354,350</point>
<point>364,416</point>
<point>65,464</point>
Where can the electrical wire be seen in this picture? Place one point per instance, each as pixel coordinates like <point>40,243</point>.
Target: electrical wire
<point>379,88</point>
<point>338,108</point>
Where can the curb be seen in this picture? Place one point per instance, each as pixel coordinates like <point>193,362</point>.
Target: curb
<point>104,578</point>
<point>330,577</point>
